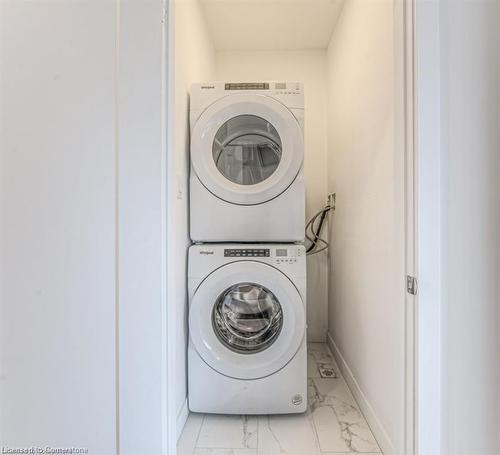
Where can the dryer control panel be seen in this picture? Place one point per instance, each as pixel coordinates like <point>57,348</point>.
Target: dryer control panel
<point>203,95</point>
<point>278,88</point>
<point>247,252</point>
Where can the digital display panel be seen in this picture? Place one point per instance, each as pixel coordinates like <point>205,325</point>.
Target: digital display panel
<point>281,252</point>
<point>247,86</point>
<point>246,252</point>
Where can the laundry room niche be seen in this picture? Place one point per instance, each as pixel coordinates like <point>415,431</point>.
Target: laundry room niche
<point>344,54</point>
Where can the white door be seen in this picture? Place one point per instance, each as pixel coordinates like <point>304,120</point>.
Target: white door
<point>82,309</point>
<point>247,148</point>
<point>247,320</point>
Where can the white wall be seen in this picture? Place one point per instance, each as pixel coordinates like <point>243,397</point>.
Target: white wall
<point>141,235</point>
<point>470,74</point>
<point>58,225</point>
<point>82,226</point>
<point>194,62</point>
<point>308,66</point>
<point>366,283</point>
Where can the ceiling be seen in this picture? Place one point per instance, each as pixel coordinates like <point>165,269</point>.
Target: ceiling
<point>271,24</point>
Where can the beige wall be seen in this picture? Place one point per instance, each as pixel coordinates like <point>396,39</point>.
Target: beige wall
<point>365,169</point>
<point>308,66</point>
<point>194,61</point>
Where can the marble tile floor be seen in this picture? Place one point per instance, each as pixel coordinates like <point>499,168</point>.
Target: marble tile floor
<point>333,423</point>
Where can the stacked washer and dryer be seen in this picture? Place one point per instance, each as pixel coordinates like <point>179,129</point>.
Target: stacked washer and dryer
<point>247,349</point>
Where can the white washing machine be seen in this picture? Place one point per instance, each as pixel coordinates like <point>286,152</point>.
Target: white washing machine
<point>247,349</point>
<point>247,154</point>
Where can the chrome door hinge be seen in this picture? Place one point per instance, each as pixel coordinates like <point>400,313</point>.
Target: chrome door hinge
<point>411,285</point>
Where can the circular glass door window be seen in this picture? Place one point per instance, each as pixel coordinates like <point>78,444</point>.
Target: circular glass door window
<point>247,149</point>
<point>247,318</point>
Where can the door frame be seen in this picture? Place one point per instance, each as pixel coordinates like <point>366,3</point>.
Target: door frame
<point>407,129</point>
<point>404,127</point>
<point>170,442</point>
<point>417,120</point>
<point>421,69</point>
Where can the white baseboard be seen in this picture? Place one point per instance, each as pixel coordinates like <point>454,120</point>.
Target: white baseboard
<point>182,417</point>
<point>371,417</point>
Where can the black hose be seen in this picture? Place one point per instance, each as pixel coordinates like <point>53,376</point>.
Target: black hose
<point>318,231</point>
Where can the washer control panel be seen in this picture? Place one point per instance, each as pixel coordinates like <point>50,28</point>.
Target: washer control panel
<point>288,255</point>
<point>289,258</point>
<point>247,252</point>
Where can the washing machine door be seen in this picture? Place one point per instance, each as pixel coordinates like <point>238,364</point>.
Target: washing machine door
<point>247,320</point>
<point>247,148</point>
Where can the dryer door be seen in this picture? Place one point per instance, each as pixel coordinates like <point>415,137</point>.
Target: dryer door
<point>247,148</point>
<point>247,320</point>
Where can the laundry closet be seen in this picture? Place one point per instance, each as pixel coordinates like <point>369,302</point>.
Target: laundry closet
<point>343,56</point>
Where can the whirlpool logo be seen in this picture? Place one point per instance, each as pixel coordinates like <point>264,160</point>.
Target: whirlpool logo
<point>206,252</point>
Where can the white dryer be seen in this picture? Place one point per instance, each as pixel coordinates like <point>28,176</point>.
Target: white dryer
<point>247,154</point>
<point>247,349</point>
